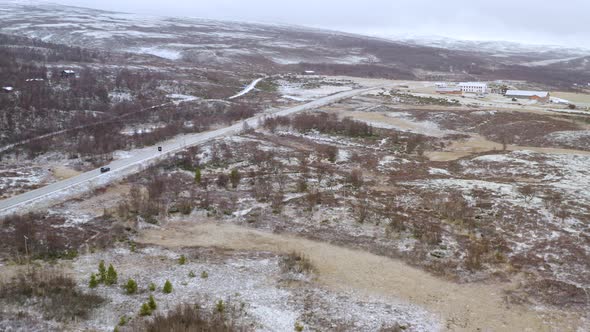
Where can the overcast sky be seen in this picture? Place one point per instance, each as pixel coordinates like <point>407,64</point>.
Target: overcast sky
<point>562,22</point>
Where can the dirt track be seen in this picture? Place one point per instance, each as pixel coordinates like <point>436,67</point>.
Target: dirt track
<point>478,144</point>
<point>472,307</point>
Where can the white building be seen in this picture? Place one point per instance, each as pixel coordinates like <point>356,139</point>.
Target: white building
<point>474,87</point>
<point>524,94</point>
<point>559,101</point>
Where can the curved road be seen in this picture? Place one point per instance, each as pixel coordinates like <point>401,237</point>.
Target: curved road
<point>142,157</point>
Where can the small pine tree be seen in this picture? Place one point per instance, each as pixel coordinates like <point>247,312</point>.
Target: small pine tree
<point>145,310</point>
<point>131,286</point>
<point>122,321</point>
<point>182,260</point>
<point>111,278</point>
<point>192,274</point>
<point>198,175</point>
<point>102,272</point>
<point>299,327</point>
<point>93,281</point>
<point>235,178</point>
<point>167,287</point>
<point>152,303</point>
<point>116,329</point>
<point>204,275</point>
<point>220,306</point>
<point>152,287</point>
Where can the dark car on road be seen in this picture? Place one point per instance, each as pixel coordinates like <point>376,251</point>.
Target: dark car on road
<point>104,169</point>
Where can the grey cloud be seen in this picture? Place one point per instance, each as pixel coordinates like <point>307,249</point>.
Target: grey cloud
<point>529,21</point>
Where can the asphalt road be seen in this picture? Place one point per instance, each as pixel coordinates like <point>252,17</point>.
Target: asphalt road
<point>143,157</point>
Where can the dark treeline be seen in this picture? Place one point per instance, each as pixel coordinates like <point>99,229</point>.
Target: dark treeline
<point>322,122</point>
<point>44,101</point>
<point>97,142</point>
<point>51,52</point>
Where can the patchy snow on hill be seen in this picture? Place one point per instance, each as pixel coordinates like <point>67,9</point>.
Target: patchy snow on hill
<point>300,92</point>
<point>573,139</point>
<point>180,98</point>
<point>159,52</point>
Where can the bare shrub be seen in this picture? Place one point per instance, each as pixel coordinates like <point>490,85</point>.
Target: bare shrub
<point>553,200</point>
<point>477,249</point>
<point>272,123</point>
<point>329,123</point>
<point>557,293</point>
<point>157,185</point>
<point>24,228</point>
<point>54,292</point>
<point>235,177</point>
<point>451,206</point>
<point>262,190</point>
<point>355,178</point>
<point>528,192</point>
<point>296,262</point>
<point>329,152</point>
<point>276,201</point>
<point>187,318</point>
<point>394,328</point>
<point>396,225</point>
<point>313,198</point>
<point>222,180</point>
<point>428,232</point>
<point>413,143</point>
<point>302,184</point>
<point>185,206</point>
<point>361,207</point>
<point>32,235</point>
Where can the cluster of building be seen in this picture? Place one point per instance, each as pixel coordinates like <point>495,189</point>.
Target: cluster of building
<point>542,96</point>
<point>68,73</point>
<point>478,88</point>
<point>482,88</point>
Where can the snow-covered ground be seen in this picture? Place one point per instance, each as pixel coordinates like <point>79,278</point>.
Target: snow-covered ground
<point>247,89</point>
<point>161,52</point>
<point>180,98</point>
<point>574,139</point>
<point>298,91</point>
<point>270,306</point>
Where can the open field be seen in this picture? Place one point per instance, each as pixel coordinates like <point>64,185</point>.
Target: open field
<point>583,98</point>
<point>462,307</point>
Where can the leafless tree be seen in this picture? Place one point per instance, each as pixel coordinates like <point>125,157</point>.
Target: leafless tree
<point>276,200</point>
<point>528,192</point>
<point>356,178</point>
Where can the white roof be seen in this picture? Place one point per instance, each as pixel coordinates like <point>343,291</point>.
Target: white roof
<point>525,93</point>
<point>559,101</point>
<point>7,88</point>
<point>447,89</point>
<point>478,84</point>
<point>69,71</point>
<point>309,71</point>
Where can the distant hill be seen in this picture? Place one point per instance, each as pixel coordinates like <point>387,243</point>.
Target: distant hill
<point>273,48</point>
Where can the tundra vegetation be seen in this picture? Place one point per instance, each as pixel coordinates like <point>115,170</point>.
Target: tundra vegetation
<point>466,193</point>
